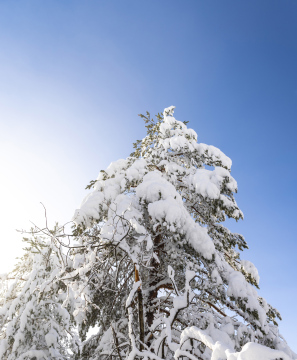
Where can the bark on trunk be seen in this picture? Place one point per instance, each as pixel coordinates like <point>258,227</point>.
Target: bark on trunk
<point>155,279</point>
<point>140,311</point>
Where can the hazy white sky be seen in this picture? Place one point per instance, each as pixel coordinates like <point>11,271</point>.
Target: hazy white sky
<point>74,75</point>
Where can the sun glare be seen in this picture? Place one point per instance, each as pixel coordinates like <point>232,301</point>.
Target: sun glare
<point>26,181</point>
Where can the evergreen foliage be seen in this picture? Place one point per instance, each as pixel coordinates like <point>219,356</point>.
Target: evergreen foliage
<point>149,264</point>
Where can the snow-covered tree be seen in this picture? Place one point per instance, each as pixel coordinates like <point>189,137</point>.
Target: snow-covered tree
<point>150,267</point>
<point>160,274</point>
<point>33,322</point>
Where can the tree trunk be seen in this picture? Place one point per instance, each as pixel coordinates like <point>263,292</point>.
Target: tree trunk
<point>140,311</point>
<point>154,280</point>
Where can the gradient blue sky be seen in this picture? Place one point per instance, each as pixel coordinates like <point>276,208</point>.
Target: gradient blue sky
<point>75,74</point>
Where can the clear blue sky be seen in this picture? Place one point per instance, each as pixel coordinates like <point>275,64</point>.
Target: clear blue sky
<point>75,74</point>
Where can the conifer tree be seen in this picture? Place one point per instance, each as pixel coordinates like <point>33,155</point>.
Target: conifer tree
<point>149,265</point>
<point>160,273</point>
